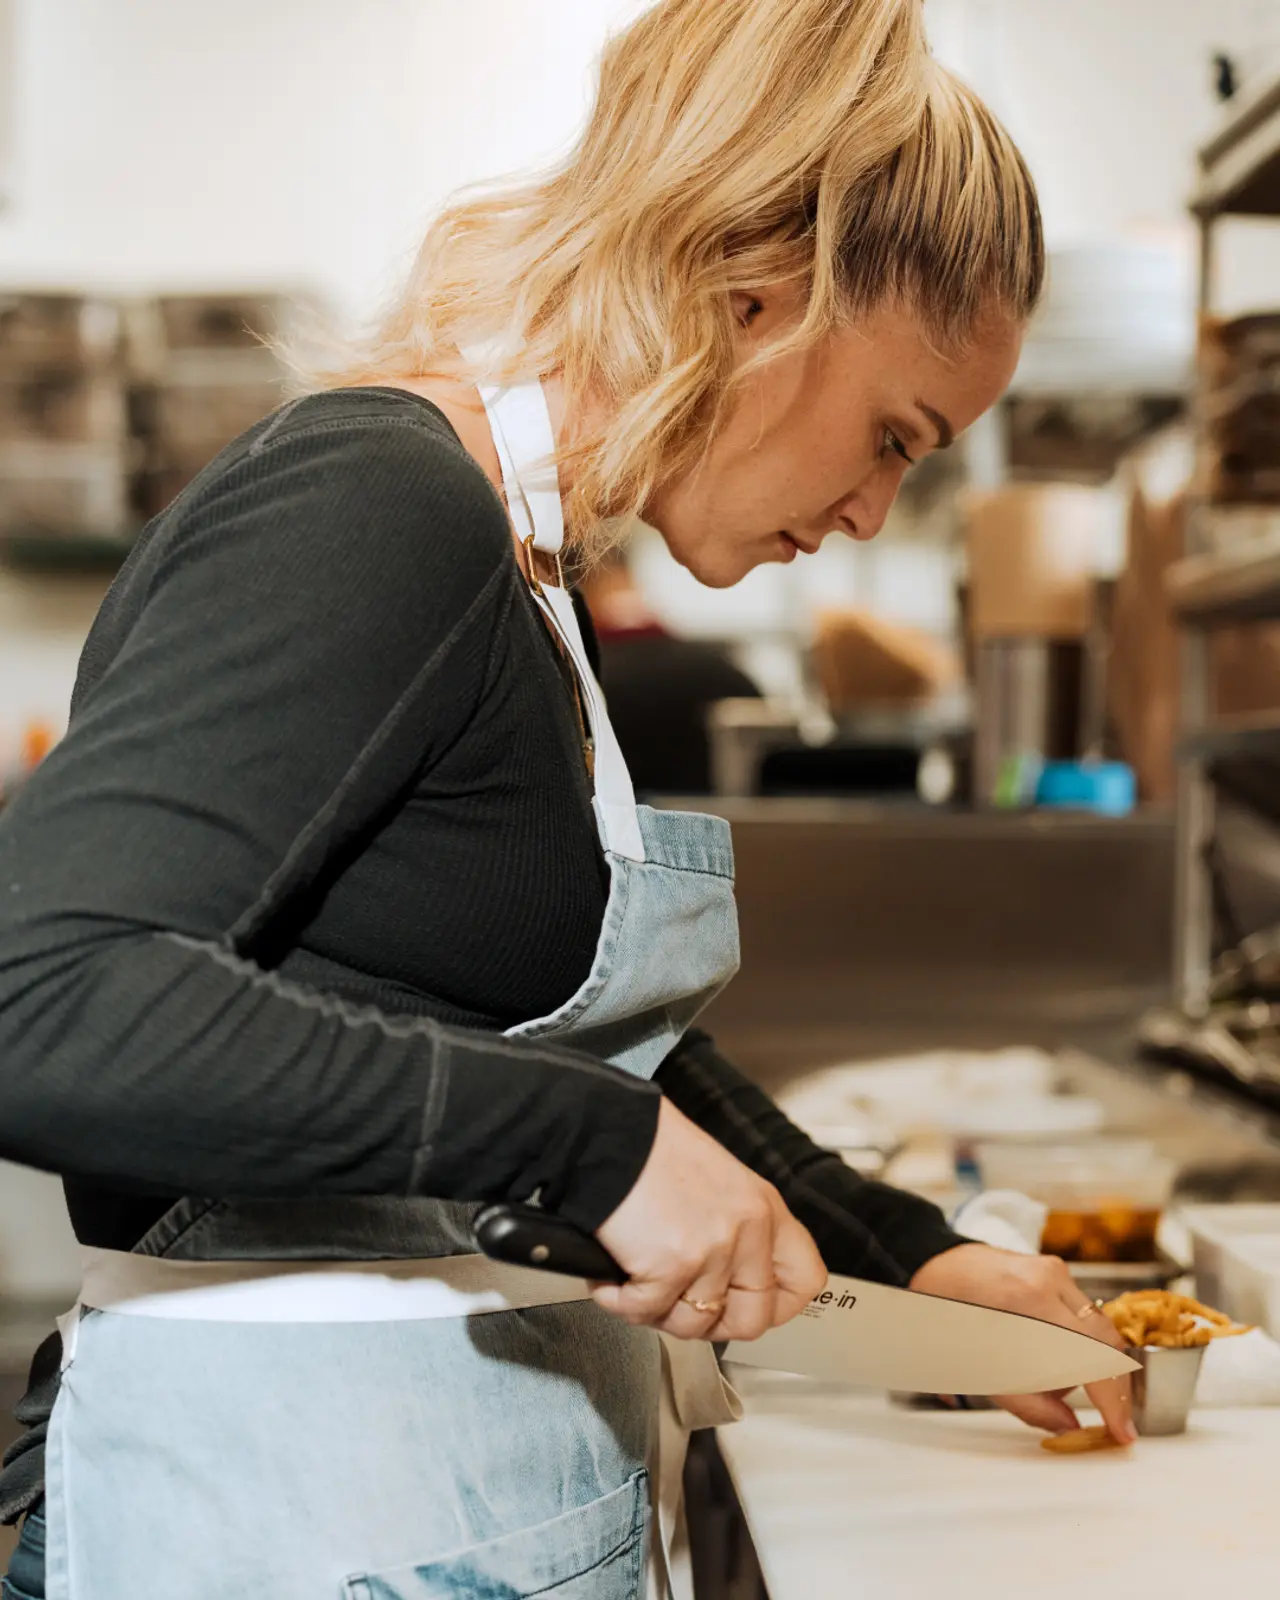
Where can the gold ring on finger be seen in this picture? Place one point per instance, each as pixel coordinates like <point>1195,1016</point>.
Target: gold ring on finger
<point>754,1288</point>
<point>706,1307</point>
<point>1091,1310</point>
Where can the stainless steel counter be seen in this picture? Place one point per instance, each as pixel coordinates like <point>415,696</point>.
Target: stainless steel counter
<point>912,921</point>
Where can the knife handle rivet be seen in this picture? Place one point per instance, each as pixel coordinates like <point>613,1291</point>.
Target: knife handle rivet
<point>540,1253</point>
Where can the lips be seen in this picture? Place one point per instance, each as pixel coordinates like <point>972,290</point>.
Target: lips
<point>804,549</point>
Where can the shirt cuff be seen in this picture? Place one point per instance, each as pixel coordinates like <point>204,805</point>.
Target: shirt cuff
<point>621,1140</point>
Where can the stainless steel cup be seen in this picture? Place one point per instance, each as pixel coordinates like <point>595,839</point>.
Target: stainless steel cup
<point>1164,1387</point>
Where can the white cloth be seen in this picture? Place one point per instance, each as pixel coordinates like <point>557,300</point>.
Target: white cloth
<point>1003,1218</point>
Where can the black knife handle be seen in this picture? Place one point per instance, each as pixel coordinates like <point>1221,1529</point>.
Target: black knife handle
<point>528,1237</point>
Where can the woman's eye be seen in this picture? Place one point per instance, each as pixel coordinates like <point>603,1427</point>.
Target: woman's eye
<point>894,444</point>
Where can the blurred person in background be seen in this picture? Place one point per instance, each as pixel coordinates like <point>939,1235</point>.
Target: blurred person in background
<point>659,689</point>
<point>333,914</point>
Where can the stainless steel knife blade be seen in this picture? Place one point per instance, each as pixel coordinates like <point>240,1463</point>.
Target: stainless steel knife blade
<point>871,1335</point>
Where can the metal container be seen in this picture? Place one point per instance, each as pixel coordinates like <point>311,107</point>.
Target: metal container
<point>1105,1280</point>
<point>1029,705</point>
<point>1164,1388</point>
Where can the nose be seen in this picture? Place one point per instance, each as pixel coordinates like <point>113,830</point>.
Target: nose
<point>864,513</point>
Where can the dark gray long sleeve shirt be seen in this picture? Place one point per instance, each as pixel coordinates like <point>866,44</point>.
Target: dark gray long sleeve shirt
<point>319,831</point>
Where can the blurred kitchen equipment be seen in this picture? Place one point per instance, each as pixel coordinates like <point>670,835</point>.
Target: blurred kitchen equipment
<point>1006,1094</point>
<point>65,452</point>
<point>80,329</point>
<point>742,732</point>
<point>1105,1198</point>
<point>1107,788</point>
<point>1236,1259</point>
<point>1036,554</point>
<point>206,370</point>
<point>1164,1387</point>
<point>1117,319</point>
<point>1106,1280</point>
<point>1241,367</point>
<point>1011,1220</point>
<point>1028,708</point>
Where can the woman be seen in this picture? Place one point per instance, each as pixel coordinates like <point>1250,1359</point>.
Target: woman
<point>334,914</point>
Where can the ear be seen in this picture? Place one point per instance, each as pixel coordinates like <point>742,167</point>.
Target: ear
<point>766,311</point>
<point>747,307</point>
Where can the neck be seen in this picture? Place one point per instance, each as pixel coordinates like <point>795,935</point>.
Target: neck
<point>462,405</point>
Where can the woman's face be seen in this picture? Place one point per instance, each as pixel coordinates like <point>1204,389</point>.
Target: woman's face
<point>819,441</point>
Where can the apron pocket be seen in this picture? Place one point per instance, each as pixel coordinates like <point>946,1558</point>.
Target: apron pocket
<point>594,1553</point>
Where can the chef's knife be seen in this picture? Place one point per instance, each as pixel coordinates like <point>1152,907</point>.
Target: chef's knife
<point>528,1237</point>
<point>853,1332</point>
<point>870,1334</point>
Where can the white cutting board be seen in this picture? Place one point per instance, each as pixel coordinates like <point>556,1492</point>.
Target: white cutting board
<point>846,1495</point>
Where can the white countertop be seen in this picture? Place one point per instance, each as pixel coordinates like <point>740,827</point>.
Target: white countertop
<point>847,1495</point>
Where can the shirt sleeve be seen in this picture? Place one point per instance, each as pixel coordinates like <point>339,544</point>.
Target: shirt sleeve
<point>316,619</point>
<point>862,1229</point>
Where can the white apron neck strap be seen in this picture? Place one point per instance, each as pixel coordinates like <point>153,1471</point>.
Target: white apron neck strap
<point>522,434</point>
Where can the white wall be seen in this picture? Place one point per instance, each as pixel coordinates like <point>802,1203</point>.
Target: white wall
<point>251,141</point>
<point>273,141</point>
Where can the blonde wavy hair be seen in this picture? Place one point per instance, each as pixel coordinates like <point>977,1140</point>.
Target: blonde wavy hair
<point>732,144</point>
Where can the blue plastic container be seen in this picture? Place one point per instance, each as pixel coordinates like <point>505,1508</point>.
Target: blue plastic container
<point>1107,788</point>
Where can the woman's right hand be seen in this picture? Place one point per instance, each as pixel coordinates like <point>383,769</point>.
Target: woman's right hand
<point>700,1226</point>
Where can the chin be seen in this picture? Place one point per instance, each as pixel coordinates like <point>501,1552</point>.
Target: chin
<point>715,566</point>
<point>718,572</point>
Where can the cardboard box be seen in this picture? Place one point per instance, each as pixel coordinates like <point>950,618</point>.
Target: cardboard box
<point>1143,662</point>
<point>1034,551</point>
<point>863,661</point>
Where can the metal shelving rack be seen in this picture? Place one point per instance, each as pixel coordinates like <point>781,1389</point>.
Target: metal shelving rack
<point>1239,177</point>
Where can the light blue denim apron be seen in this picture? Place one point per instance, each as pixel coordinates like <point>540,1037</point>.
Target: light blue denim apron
<point>334,1397</point>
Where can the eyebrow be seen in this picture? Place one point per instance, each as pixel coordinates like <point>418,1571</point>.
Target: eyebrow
<point>946,433</point>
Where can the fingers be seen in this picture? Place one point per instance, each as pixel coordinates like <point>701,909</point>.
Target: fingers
<point>710,1250</point>
<point>1048,1412</point>
<point>1053,1295</point>
<point>752,1287</point>
<point>667,1296</point>
<point>738,1302</point>
<point>799,1269</point>
<point>770,1273</point>
<point>1114,1399</point>
<point>1114,1396</point>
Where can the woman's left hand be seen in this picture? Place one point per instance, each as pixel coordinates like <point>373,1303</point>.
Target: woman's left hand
<point>1036,1286</point>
